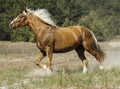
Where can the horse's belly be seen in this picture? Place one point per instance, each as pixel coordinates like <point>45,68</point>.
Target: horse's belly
<point>65,47</point>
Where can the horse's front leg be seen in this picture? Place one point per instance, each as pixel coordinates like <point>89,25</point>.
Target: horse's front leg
<point>40,56</point>
<point>49,54</point>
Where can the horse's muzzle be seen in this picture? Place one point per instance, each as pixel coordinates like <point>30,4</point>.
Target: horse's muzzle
<point>11,26</point>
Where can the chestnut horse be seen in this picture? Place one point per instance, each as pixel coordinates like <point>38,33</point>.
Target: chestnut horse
<point>52,39</point>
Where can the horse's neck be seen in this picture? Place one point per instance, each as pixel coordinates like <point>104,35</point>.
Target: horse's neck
<point>36,24</point>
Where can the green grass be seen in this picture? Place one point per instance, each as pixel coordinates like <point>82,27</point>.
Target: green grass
<point>11,75</point>
<point>16,78</point>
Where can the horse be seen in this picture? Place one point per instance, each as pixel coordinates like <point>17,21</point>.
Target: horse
<point>53,39</point>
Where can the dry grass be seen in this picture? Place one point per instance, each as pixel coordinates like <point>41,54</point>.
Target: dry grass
<point>15,78</point>
<point>17,61</point>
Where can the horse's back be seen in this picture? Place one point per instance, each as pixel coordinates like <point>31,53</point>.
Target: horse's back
<point>68,38</point>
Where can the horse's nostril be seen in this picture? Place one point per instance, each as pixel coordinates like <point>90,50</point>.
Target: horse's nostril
<point>10,26</point>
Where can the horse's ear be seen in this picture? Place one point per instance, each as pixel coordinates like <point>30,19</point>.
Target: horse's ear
<point>25,9</point>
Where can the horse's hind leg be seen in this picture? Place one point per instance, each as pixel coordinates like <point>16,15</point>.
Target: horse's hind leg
<point>92,50</point>
<point>80,51</point>
<point>97,56</point>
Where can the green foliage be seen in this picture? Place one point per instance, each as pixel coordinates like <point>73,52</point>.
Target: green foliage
<point>103,20</point>
<point>22,35</point>
<point>100,16</point>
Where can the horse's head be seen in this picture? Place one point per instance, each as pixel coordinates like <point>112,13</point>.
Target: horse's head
<point>20,20</point>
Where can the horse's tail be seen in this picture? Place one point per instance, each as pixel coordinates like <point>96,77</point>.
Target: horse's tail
<point>98,48</point>
<point>100,51</point>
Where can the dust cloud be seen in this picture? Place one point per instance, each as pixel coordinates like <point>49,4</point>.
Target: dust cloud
<point>112,60</point>
<point>112,55</point>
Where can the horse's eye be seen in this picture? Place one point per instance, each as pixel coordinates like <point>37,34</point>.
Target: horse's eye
<point>20,16</point>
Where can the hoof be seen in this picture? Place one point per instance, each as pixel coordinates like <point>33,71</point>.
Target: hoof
<point>47,70</point>
<point>44,67</point>
<point>85,70</point>
<point>101,67</point>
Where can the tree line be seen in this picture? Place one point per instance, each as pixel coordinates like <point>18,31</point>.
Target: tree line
<point>100,16</point>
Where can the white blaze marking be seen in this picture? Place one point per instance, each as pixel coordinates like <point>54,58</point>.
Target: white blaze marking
<point>14,20</point>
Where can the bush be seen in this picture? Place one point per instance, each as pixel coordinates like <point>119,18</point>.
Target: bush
<point>103,25</point>
<point>22,34</point>
<point>100,16</point>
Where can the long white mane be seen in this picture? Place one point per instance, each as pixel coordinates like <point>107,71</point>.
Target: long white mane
<point>44,15</point>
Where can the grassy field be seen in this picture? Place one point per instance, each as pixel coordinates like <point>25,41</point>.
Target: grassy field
<point>17,61</point>
<point>15,78</point>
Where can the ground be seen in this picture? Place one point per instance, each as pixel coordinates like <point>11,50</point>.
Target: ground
<point>18,70</point>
